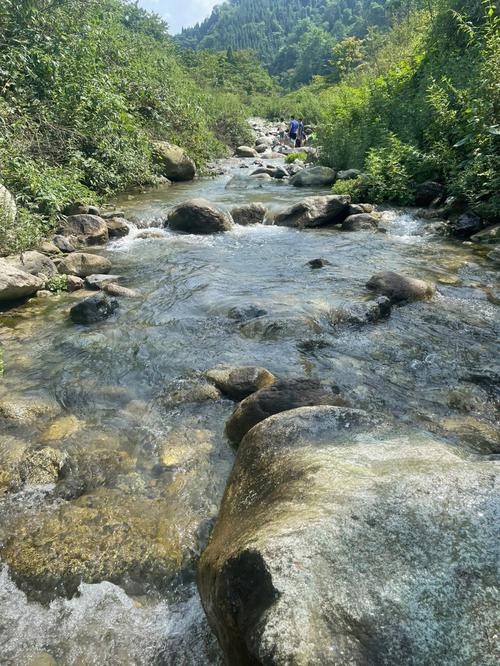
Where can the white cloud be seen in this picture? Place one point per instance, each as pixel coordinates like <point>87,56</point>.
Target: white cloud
<point>180,13</point>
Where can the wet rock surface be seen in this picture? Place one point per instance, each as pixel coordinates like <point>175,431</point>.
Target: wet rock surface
<point>84,264</point>
<point>399,288</point>
<point>239,383</point>
<point>86,229</point>
<point>281,396</point>
<point>315,212</point>
<point>318,176</point>
<point>198,216</point>
<point>336,544</point>
<point>93,309</point>
<point>249,214</point>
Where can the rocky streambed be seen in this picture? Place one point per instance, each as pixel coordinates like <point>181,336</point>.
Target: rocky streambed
<point>318,394</point>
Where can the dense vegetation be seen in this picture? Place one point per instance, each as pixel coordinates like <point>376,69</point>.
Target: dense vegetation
<point>85,87</point>
<point>294,38</point>
<point>418,102</point>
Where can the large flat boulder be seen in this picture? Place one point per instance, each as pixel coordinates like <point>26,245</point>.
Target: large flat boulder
<point>318,176</point>
<point>315,212</point>
<point>15,283</point>
<point>83,264</point>
<point>175,163</point>
<point>341,543</point>
<point>198,216</point>
<point>34,262</point>
<point>86,229</point>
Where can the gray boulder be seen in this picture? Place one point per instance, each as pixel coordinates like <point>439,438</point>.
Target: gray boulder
<point>494,255</point>
<point>348,174</point>
<point>198,216</point>
<point>360,222</point>
<point>81,209</point>
<point>279,397</point>
<point>318,263</point>
<point>340,543</point>
<point>175,163</point>
<point>399,288</point>
<point>489,234</point>
<point>318,176</point>
<point>35,263</point>
<point>63,244</point>
<point>117,227</point>
<point>83,264</point>
<point>93,309</point>
<point>466,225</point>
<point>239,383</point>
<point>250,214</point>
<point>98,280</point>
<point>15,283</point>
<point>87,229</point>
<point>246,151</point>
<point>315,212</point>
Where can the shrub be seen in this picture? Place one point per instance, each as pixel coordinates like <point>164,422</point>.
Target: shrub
<point>301,155</point>
<point>57,283</point>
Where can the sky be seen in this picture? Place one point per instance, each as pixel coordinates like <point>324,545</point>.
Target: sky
<point>180,13</point>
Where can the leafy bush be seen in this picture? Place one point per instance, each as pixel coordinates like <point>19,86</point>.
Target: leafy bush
<point>302,156</point>
<point>57,283</point>
<point>356,188</point>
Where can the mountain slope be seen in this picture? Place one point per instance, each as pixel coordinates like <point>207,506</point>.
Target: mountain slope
<point>273,27</point>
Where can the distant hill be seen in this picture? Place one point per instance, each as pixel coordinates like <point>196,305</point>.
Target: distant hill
<point>278,29</point>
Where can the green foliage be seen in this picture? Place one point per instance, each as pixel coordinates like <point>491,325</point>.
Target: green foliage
<point>356,188</point>
<point>57,283</point>
<point>301,155</point>
<point>86,86</point>
<point>26,231</point>
<point>423,104</point>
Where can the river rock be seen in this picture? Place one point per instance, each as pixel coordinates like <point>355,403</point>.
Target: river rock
<point>261,148</point>
<point>110,214</point>
<point>489,234</point>
<point>318,263</point>
<point>428,192</point>
<point>38,467</point>
<point>198,216</point>
<point>466,225</point>
<point>97,280</point>
<point>82,264</point>
<point>279,397</point>
<point>35,263</point>
<point>113,289</point>
<point>341,543</point>
<point>74,283</point>
<point>253,213</point>
<point>22,409</point>
<point>118,227</point>
<point>246,313</point>
<point>315,212</point>
<point>362,313</point>
<point>246,151</point>
<point>49,248</point>
<point>8,208</point>
<point>81,209</point>
<point>360,222</point>
<point>103,536</point>
<point>93,309</point>
<point>185,391</point>
<point>494,255</point>
<point>15,283</point>
<point>399,288</point>
<point>174,162</point>
<point>239,383</point>
<point>348,174</point>
<point>318,176</point>
<point>150,233</point>
<point>87,229</point>
<point>63,244</point>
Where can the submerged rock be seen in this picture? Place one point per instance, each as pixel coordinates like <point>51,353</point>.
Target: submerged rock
<point>238,383</point>
<point>175,163</point>
<point>93,309</point>
<point>15,283</point>
<point>38,467</point>
<point>113,289</point>
<point>27,409</point>
<point>246,313</point>
<point>319,176</point>
<point>250,214</point>
<point>198,216</point>
<point>83,264</point>
<point>315,212</point>
<point>339,543</point>
<point>399,288</point>
<point>87,229</point>
<point>318,263</point>
<point>189,391</point>
<point>279,397</point>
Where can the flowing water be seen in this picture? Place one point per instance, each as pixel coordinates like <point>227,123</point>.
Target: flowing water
<point>154,465</point>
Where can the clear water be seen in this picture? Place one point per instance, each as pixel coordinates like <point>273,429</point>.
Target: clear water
<point>434,365</point>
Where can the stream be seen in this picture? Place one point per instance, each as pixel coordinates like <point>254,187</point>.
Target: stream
<point>154,461</point>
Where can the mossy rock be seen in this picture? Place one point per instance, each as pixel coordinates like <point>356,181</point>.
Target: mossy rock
<point>106,536</point>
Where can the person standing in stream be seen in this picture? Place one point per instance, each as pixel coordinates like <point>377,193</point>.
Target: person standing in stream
<point>293,129</point>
